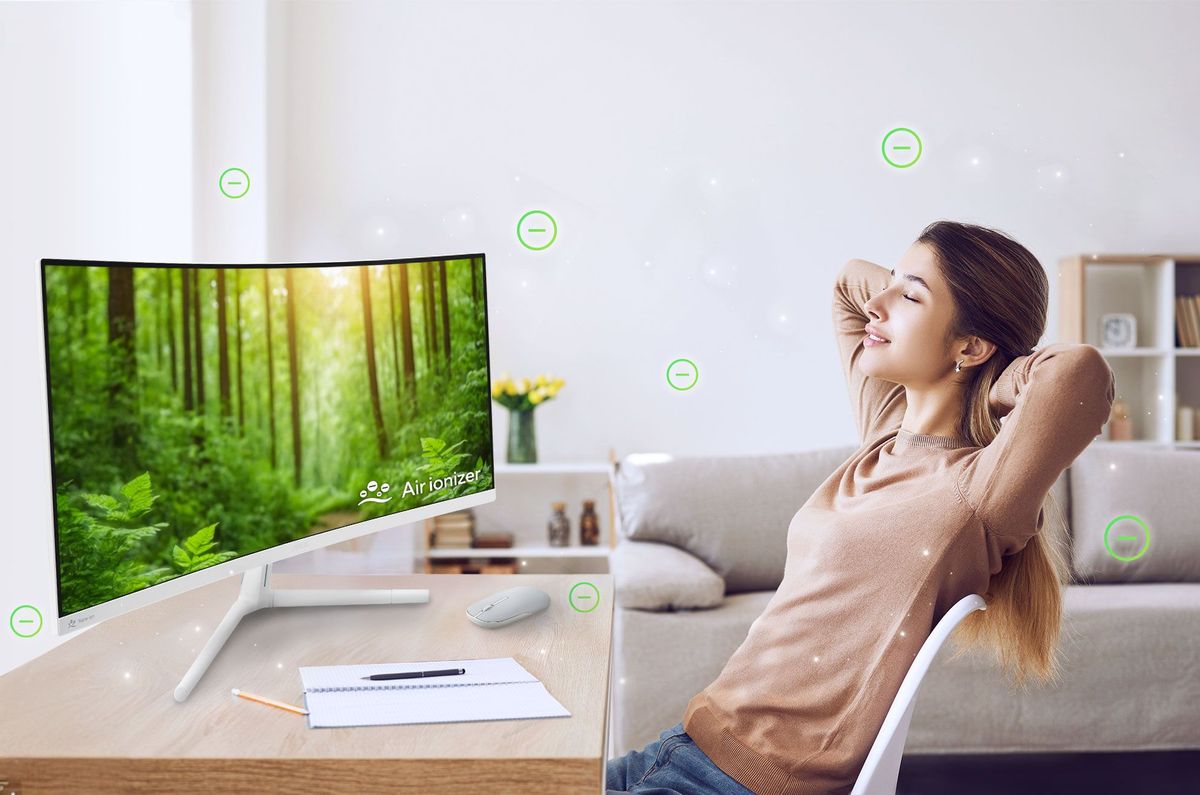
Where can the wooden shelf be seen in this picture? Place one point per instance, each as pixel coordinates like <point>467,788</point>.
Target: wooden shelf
<point>584,468</point>
<point>524,551</point>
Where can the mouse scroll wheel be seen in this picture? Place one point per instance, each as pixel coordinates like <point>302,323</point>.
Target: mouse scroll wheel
<point>493,604</point>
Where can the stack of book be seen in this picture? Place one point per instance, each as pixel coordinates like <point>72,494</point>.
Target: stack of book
<point>454,530</point>
<point>457,531</point>
<point>499,540</point>
<point>470,567</point>
<point>1187,320</point>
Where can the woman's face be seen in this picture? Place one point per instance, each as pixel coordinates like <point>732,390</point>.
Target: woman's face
<point>914,313</point>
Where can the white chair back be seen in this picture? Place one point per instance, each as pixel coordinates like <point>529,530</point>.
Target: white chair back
<point>882,768</point>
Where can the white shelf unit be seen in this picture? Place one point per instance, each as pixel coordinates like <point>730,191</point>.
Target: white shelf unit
<point>1158,375</point>
<point>524,493</point>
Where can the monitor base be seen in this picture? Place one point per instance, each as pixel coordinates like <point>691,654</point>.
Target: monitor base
<point>257,595</point>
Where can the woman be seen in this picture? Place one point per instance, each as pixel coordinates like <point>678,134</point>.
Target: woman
<point>941,500</point>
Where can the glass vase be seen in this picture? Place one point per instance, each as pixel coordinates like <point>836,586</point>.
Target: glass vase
<point>522,441</point>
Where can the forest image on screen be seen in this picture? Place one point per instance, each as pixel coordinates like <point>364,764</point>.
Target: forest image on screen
<point>199,414</point>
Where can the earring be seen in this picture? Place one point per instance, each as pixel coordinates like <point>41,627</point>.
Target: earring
<point>958,366</point>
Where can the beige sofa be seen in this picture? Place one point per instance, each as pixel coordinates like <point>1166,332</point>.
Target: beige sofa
<point>701,550</point>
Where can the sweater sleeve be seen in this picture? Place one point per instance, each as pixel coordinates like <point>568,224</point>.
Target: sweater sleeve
<point>1054,403</point>
<point>877,405</point>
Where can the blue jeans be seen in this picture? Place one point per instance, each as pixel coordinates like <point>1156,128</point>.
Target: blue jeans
<point>671,765</point>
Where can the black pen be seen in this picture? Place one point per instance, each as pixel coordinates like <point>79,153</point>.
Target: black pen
<point>417,674</point>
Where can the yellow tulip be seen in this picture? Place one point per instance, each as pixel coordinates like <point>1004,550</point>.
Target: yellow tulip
<point>536,396</point>
<point>541,380</point>
<point>524,386</point>
<point>510,388</point>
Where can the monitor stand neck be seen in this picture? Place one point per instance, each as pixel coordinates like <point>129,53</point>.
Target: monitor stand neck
<point>256,594</point>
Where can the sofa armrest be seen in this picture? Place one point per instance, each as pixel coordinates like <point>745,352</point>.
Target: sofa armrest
<point>654,576</point>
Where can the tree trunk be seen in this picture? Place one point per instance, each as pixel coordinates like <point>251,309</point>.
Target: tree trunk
<point>237,322</point>
<point>171,328</point>
<point>270,367</point>
<point>434,331</point>
<point>223,346</point>
<point>406,334</point>
<point>198,340</point>
<point>121,345</point>
<point>160,320</point>
<point>372,374</point>
<point>185,312</point>
<point>294,370</point>
<point>395,334</point>
<point>445,314</point>
<point>71,279</point>
<point>426,296</point>
<point>86,320</point>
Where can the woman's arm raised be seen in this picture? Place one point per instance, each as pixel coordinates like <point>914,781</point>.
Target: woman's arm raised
<point>877,405</point>
<point>1057,401</point>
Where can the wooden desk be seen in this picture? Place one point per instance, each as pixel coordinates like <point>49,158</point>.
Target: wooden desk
<point>96,714</point>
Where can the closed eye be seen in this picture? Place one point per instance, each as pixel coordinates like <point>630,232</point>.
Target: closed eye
<point>892,273</point>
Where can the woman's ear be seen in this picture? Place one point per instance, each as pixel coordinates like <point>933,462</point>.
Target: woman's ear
<point>976,351</point>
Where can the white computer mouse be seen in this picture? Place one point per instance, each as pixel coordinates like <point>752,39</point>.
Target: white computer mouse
<point>508,606</point>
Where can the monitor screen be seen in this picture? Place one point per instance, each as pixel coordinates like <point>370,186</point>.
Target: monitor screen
<point>202,413</point>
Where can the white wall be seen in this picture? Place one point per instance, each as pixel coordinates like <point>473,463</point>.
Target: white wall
<point>95,149</point>
<point>710,165</point>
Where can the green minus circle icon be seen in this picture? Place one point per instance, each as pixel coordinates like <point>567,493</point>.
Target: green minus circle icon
<point>234,183</point>
<point>682,374</point>
<point>588,598</point>
<point>1125,537</point>
<point>25,621</point>
<point>902,147</point>
<point>537,230</point>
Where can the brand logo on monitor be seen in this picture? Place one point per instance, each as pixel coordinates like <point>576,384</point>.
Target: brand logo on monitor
<point>374,493</point>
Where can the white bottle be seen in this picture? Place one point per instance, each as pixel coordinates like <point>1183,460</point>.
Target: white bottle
<point>1185,424</point>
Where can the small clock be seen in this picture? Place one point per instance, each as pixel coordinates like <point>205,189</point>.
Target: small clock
<point>1118,330</point>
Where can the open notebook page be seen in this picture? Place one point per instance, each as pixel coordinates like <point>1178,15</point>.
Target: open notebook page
<point>491,689</point>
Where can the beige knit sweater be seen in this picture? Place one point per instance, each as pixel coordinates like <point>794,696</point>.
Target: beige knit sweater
<point>901,531</point>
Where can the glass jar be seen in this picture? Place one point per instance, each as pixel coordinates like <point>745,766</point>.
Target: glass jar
<point>589,524</point>
<point>559,526</point>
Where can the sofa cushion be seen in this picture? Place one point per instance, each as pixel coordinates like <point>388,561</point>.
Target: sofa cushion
<point>1159,487</point>
<point>1129,677</point>
<point>732,512</point>
<point>1129,682</point>
<point>653,576</point>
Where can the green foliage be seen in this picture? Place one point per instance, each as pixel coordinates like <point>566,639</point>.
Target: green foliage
<point>440,460</point>
<point>196,552</point>
<point>103,550</point>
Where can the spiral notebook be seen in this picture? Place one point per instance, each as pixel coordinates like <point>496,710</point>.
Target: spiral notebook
<point>497,688</point>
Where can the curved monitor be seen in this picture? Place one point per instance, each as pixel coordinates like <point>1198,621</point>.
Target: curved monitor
<point>206,419</point>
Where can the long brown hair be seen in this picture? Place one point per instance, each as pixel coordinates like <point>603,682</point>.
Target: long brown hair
<point>1000,294</point>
